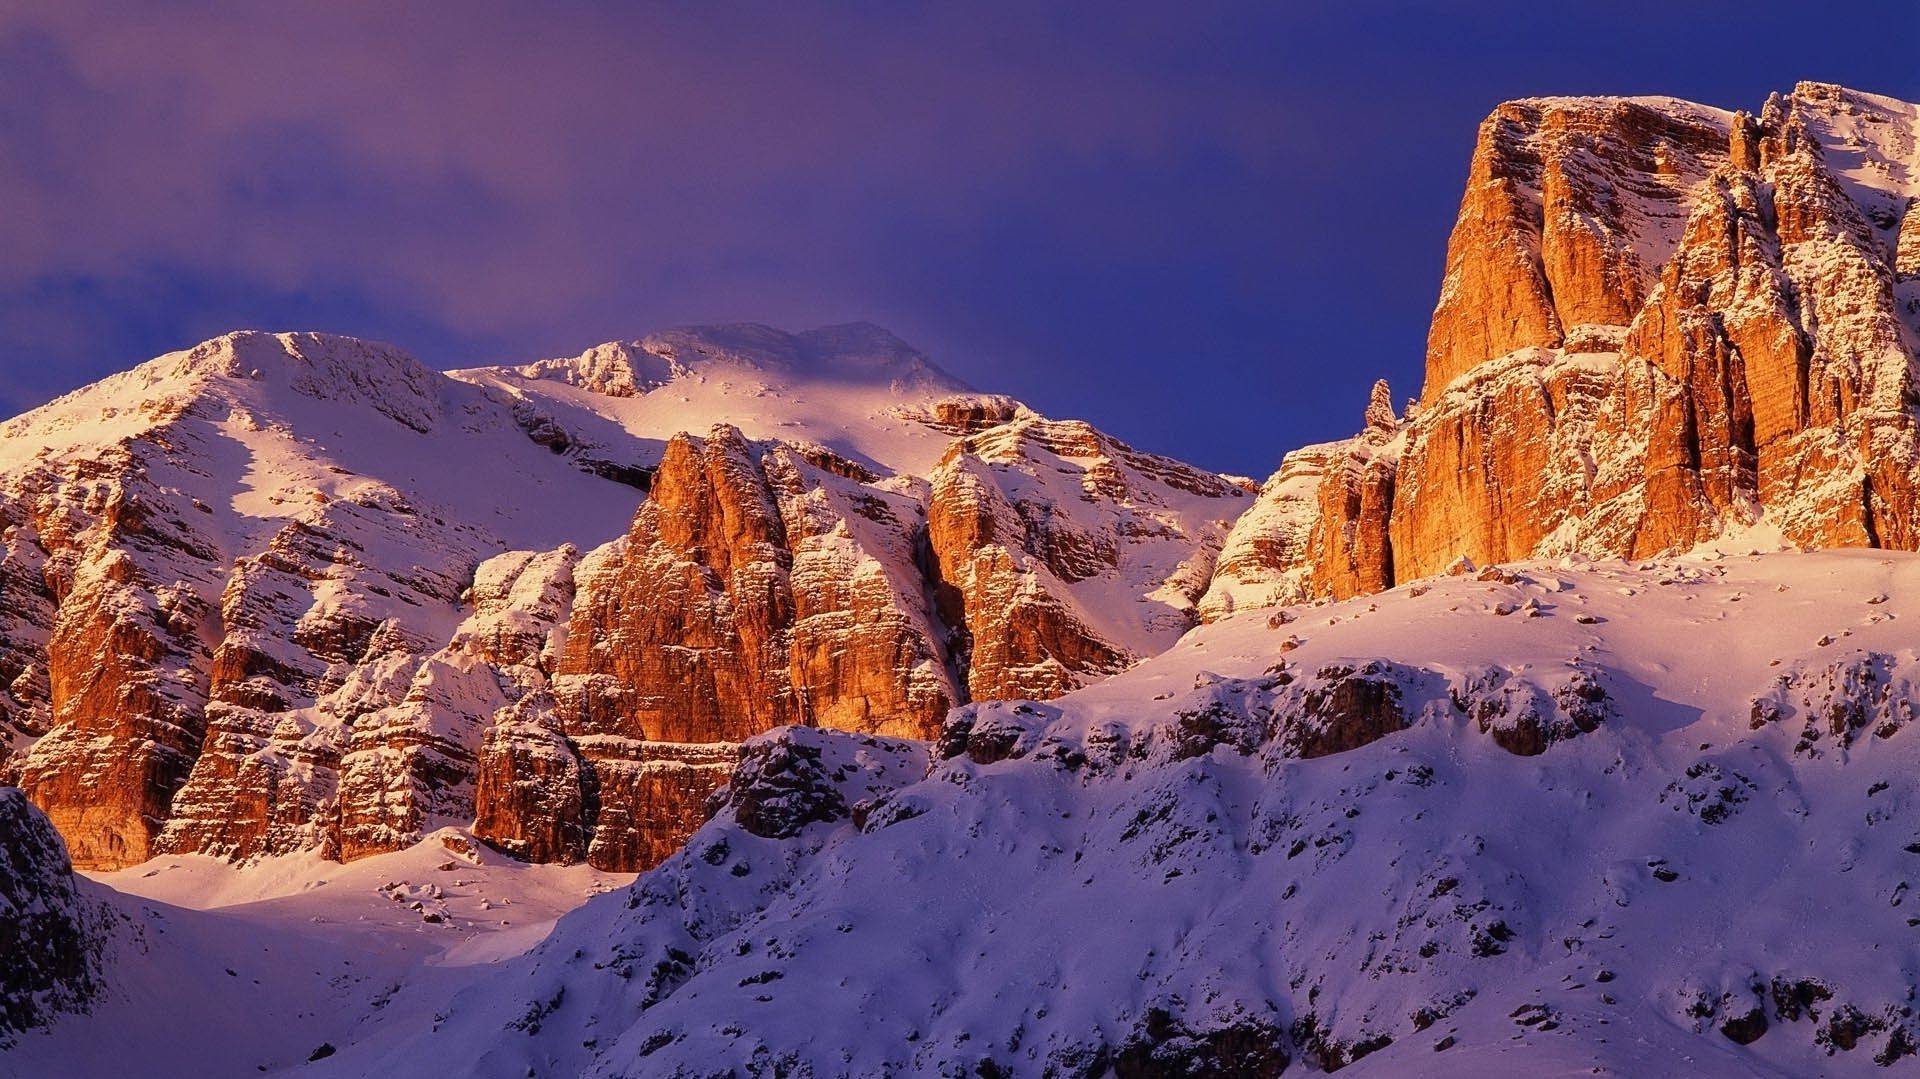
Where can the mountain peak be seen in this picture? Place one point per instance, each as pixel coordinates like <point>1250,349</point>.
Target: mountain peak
<point>324,367</point>
<point>848,352</point>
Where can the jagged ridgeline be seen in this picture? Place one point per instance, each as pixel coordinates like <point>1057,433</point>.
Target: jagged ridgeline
<point>283,592</point>
<point>1532,813</point>
<point>288,592</point>
<point>1660,323</point>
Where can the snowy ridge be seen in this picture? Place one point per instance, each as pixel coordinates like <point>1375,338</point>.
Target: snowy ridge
<point>854,389</point>
<point>1342,834</point>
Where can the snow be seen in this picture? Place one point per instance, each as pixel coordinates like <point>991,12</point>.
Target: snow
<point>856,390</point>
<point>224,970</point>
<point>284,426</point>
<point>1604,904</point>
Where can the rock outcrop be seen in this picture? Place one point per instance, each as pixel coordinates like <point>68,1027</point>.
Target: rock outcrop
<point>1063,554</point>
<point>53,937</point>
<point>1661,324</point>
<point>296,592</point>
<point>756,589</point>
<point>765,585</point>
<point>1319,525</point>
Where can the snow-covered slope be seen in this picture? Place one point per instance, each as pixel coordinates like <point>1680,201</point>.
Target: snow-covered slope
<point>284,424</point>
<point>854,389</point>
<point>216,970</point>
<point>1647,819</point>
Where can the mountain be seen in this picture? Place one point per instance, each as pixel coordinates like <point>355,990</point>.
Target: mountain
<point>1647,818</point>
<point>290,592</point>
<point>1660,324</point>
<point>1524,732</point>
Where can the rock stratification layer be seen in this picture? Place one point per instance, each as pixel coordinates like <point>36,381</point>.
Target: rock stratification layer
<point>1660,324</point>
<point>298,592</point>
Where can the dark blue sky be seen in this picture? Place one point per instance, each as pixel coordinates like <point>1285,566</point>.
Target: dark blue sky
<point>1206,227</point>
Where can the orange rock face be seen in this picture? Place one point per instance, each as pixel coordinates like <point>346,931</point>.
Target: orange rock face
<point>1063,554</point>
<point>763,585</point>
<point>125,689</point>
<point>1570,205</point>
<point>756,588</point>
<point>1660,323</point>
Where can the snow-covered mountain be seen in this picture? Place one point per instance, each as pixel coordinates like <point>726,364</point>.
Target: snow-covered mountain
<point>1635,798</point>
<point>289,592</point>
<point>1651,817</point>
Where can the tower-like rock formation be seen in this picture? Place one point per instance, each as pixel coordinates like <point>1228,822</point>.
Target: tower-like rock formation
<point>1660,324</point>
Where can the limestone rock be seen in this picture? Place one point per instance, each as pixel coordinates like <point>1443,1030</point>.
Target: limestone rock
<point>1572,205</point>
<point>757,589</point>
<point>1323,517</point>
<point>1064,554</point>
<point>759,586</point>
<point>1660,324</point>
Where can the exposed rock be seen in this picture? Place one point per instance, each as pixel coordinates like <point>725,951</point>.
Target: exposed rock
<point>531,795</point>
<point>1164,1047</point>
<point>780,788</point>
<point>646,798</point>
<point>53,937</point>
<point>1037,526</point>
<point>1659,323</point>
<point>755,590</point>
<point>1865,694</point>
<point>794,777</point>
<point>1343,708</point>
<point>1523,716</point>
<point>1571,206</point>
<point>126,658</point>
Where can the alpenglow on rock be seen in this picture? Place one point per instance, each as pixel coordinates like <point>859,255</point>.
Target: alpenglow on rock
<point>1661,323</point>
<point>298,592</point>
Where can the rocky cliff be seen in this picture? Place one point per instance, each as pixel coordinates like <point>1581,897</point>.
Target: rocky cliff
<point>1063,554</point>
<point>765,585</point>
<point>290,592</point>
<point>1660,324</point>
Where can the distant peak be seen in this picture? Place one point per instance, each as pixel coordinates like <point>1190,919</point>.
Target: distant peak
<point>853,352</point>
